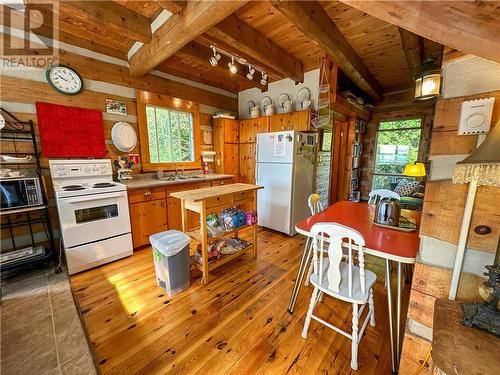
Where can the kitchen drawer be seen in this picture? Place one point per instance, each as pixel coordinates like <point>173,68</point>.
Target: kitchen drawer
<point>182,187</point>
<point>223,182</point>
<point>145,195</point>
<point>217,201</point>
<point>244,196</point>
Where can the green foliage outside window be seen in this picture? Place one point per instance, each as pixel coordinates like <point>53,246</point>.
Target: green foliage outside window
<point>397,144</point>
<point>170,135</point>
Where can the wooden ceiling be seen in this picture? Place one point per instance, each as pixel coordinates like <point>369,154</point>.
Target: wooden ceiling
<point>112,27</point>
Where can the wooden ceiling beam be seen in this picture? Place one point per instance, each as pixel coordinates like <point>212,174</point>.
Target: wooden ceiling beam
<point>201,53</point>
<point>108,15</point>
<point>174,7</point>
<point>413,47</point>
<point>315,23</point>
<point>469,26</point>
<point>236,36</point>
<point>179,30</point>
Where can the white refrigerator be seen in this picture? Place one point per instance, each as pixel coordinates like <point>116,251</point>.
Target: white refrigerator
<point>285,168</point>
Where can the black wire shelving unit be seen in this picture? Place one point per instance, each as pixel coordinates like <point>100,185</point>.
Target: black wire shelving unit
<point>18,139</point>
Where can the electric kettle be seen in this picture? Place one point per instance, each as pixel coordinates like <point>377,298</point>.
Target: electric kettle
<point>387,212</point>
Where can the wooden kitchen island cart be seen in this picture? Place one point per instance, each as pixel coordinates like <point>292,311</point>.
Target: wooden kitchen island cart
<point>213,200</point>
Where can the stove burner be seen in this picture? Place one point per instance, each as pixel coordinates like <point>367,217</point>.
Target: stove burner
<point>73,188</point>
<point>103,185</point>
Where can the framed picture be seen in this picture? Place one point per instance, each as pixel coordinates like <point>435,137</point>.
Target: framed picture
<point>115,106</point>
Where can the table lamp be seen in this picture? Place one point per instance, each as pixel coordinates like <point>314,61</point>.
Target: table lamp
<point>482,167</point>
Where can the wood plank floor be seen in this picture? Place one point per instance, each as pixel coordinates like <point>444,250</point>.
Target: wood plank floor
<point>237,324</point>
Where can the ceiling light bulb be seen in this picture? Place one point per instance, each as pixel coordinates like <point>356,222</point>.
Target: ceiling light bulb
<point>251,72</point>
<point>232,66</point>
<point>263,81</point>
<point>214,60</point>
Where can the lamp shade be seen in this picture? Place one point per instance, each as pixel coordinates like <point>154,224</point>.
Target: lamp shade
<point>428,81</point>
<point>483,165</point>
<point>414,170</point>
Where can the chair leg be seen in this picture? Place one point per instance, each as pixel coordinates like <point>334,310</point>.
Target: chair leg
<point>310,312</point>
<point>354,347</point>
<point>309,273</point>
<point>372,308</point>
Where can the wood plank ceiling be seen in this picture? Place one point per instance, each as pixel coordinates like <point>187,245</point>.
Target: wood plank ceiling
<point>377,43</point>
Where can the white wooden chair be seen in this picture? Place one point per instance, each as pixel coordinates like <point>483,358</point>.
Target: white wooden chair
<point>315,206</point>
<point>377,194</point>
<point>341,280</point>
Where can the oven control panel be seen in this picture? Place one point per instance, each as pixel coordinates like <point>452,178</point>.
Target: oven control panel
<point>88,169</point>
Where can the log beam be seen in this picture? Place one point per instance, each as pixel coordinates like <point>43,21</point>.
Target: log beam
<point>174,7</point>
<point>179,30</point>
<point>469,26</point>
<point>413,49</point>
<point>315,23</point>
<point>109,15</point>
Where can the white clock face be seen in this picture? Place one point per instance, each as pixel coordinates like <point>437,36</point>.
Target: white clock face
<point>65,80</point>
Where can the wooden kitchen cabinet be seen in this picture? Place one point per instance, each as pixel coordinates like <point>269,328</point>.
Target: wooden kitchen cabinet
<point>298,121</point>
<point>147,218</point>
<point>247,163</point>
<point>175,218</point>
<point>251,127</point>
<point>225,139</point>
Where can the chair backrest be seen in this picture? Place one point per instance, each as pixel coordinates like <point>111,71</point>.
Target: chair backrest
<point>314,203</point>
<point>377,194</point>
<point>335,235</point>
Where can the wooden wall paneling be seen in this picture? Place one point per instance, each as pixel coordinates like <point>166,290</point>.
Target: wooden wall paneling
<point>436,281</point>
<point>103,71</point>
<point>442,217</point>
<point>445,140</point>
<point>421,308</point>
<point>179,30</point>
<point>415,348</point>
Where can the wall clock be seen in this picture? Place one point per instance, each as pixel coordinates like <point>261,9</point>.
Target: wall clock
<point>64,80</point>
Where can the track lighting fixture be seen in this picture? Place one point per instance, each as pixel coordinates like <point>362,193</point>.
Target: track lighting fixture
<point>263,81</point>
<point>232,66</point>
<point>251,72</point>
<point>214,60</point>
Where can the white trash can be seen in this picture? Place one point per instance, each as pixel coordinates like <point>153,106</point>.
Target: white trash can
<point>171,259</point>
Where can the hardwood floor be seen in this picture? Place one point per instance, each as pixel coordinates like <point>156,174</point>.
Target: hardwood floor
<point>236,324</point>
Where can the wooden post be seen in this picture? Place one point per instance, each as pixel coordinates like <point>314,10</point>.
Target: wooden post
<point>204,241</point>
<point>183,216</point>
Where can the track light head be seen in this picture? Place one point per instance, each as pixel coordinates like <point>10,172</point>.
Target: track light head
<point>251,72</point>
<point>232,66</point>
<point>263,80</point>
<point>214,60</point>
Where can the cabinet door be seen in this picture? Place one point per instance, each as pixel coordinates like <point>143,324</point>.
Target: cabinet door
<point>247,163</point>
<point>300,121</point>
<point>147,218</point>
<point>245,130</point>
<point>231,159</point>
<point>218,143</point>
<point>279,122</point>
<point>259,125</point>
<point>175,215</point>
<point>231,131</point>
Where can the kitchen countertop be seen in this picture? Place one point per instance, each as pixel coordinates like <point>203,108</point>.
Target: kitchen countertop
<point>148,180</point>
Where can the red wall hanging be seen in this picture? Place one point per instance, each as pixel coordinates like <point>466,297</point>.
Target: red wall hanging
<point>70,131</point>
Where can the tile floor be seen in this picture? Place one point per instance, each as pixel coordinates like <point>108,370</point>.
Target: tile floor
<point>41,330</point>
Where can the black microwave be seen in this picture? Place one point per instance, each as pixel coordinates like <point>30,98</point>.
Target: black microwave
<point>20,192</point>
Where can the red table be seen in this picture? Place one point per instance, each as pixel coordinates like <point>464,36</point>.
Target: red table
<point>389,244</point>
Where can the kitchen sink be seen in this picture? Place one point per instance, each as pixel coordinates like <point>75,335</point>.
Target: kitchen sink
<point>179,178</point>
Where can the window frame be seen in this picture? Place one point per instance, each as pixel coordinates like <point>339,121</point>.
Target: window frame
<point>146,98</point>
<point>420,144</point>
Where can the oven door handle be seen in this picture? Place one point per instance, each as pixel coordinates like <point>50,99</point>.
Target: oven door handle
<point>94,198</point>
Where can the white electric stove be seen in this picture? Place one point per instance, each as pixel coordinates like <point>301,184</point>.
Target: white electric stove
<point>93,213</point>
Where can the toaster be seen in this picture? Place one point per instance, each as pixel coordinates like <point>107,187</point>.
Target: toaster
<point>387,212</point>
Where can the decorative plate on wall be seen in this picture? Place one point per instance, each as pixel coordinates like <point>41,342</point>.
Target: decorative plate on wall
<point>124,136</point>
